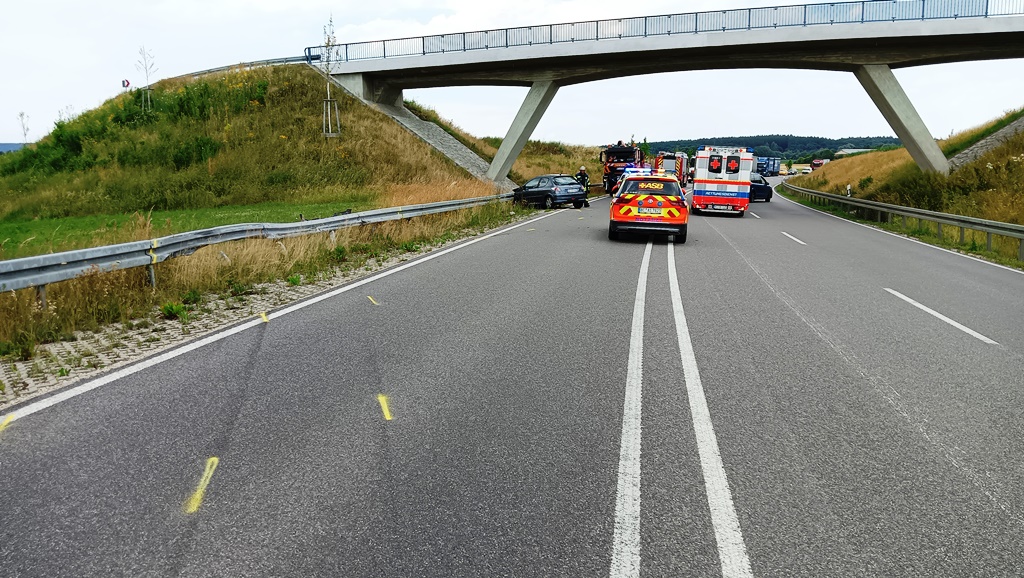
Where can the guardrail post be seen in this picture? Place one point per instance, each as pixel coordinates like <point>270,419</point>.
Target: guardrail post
<point>939,227</point>
<point>41,295</point>
<point>1020,251</point>
<point>152,275</point>
<point>988,241</point>
<point>961,235</point>
<point>904,224</point>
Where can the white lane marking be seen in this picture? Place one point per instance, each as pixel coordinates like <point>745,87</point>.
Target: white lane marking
<point>794,238</point>
<point>731,550</point>
<point>905,238</point>
<point>67,394</point>
<point>626,540</point>
<point>930,311</point>
<point>753,215</point>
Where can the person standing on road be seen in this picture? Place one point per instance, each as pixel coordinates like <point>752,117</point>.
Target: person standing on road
<point>584,180</point>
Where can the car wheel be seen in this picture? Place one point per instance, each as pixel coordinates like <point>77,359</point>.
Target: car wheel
<point>586,203</point>
<point>695,210</point>
<point>577,204</point>
<point>680,237</point>
<point>613,235</point>
<point>768,200</point>
<point>548,202</point>
<point>741,214</point>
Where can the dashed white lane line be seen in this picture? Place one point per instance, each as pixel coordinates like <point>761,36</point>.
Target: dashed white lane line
<point>794,238</point>
<point>732,551</point>
<point>942,317</point>
<point>69,393</point>
<point>754,215</point>
<point>626,539</point>
<point>905,238</point>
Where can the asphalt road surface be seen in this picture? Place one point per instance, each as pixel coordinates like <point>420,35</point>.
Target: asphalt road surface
<point>786,394</point>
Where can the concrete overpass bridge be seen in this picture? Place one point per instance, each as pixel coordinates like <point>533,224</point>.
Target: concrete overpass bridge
<point>868,39</point>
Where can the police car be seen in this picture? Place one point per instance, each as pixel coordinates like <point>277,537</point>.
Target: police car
<point>649,203</point>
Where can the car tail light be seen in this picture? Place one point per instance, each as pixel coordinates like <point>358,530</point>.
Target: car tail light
<point>620,200</point>
<point>677,201</point>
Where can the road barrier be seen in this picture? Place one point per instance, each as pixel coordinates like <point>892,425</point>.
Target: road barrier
<point>253,64</point>
<point>40,270</point>
<point>884,212</point>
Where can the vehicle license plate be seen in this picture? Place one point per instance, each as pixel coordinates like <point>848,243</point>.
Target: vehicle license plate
<point>649,210</point>
<point>723,207</point>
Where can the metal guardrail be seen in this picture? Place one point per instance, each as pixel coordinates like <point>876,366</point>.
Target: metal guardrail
<point>884,210</point>
<point>40,270</point>
<point>690,23</point>
<point>253,64</point>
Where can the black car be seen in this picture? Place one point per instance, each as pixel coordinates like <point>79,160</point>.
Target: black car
<point>550,190</point>
<point>760,190</point>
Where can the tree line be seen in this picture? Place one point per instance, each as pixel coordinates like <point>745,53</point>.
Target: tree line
<point>800,149</point>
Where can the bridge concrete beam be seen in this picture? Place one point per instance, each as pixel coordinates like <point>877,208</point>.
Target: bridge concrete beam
<point>533,108</point>
<point>887,94</point>
<point>370,90</point>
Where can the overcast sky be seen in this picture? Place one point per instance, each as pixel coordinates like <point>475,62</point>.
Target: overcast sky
<point>68,55</point>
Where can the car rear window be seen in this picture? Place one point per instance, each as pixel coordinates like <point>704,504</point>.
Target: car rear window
<point>565,181</point>
<point>652,187</point>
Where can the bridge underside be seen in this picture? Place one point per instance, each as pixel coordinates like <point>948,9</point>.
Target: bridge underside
<point>545,69</point>
<point>844,55</point>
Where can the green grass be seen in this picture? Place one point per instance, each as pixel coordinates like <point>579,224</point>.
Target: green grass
<point>34,237</point>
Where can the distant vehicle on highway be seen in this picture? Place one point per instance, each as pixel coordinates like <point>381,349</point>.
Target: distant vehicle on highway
<point>806,170</point>
<point>548,191</point>
<point>760,190</point>
<point>817,164</point>
<point>653,204</point>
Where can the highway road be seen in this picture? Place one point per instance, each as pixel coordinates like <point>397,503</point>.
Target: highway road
<point>786,394</point>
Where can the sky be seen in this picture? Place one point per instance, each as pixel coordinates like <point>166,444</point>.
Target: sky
<point>62,57</point>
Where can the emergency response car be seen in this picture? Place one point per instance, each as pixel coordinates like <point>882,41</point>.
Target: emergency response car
<point>653,204</point>
<point>721,181</point>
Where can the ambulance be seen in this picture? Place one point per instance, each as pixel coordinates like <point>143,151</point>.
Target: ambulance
<point>721,179</point>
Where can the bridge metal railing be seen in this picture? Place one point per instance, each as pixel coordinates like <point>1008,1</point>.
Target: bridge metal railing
<point>40,270</point>
<point>884,211</point>
<point>253,64</point>
<point>689,23</point>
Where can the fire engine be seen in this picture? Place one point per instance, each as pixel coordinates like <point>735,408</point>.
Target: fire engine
<point>674,164</point>
<point>615,158</point>
<point>722,179</point>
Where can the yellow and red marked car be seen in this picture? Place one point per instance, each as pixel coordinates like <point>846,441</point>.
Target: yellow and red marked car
<point>652,204</point>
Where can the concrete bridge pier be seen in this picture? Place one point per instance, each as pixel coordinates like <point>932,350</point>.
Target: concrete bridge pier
<point>369,90</point>
<point>891,100</point>
<point>533,108</point>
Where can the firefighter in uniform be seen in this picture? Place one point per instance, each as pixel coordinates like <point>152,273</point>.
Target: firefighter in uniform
<point>584,180</point>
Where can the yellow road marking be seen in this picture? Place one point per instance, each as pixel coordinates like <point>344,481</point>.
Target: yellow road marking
<point>7,421</point>
<point>383,399</point>
<point>196,500</point>
<point>372,300</point>
<point>581,218</point>
<point>263,316</point>
<point>531,229</point>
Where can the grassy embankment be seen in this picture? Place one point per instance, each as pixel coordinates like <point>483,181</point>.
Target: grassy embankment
<point>537,157</point>
<point>988,188</point>
<point>237,147</point>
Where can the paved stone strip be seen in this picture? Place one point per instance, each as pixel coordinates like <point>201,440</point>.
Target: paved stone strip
<point>986,144</point>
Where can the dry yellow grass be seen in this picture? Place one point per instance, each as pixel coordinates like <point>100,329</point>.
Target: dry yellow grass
<point>834,176</point>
